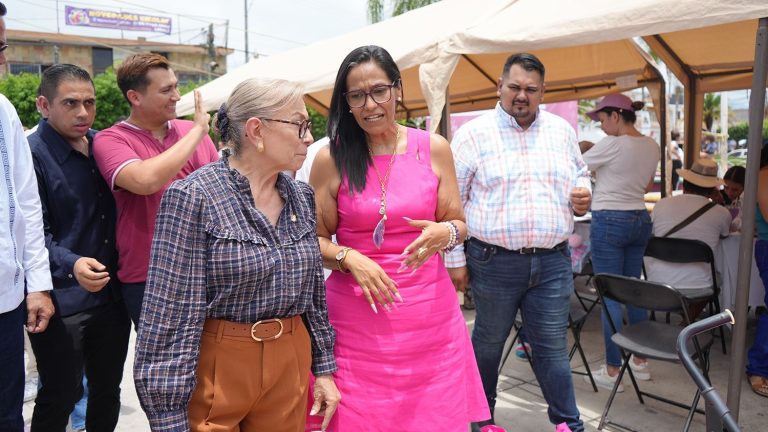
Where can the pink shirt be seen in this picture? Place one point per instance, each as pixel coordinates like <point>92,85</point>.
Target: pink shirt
<point>113,149</point>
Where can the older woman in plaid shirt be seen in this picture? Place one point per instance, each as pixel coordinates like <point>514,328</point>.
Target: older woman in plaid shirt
<point>234,313</point>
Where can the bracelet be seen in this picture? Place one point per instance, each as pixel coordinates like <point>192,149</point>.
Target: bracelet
<point>453,238</point>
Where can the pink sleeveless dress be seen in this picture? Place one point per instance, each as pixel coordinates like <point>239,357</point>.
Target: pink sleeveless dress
<point>413,368</point>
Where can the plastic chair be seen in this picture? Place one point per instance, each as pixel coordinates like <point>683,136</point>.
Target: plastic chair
<point>683,251</point>
<point>577,317</point>
<point>650,339</point>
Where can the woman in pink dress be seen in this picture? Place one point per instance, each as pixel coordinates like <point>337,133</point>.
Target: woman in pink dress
<point>389,194</point>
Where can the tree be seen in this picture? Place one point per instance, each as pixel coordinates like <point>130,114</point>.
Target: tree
<point>111,106</point>
<point>21,90</point>
<point>376,7</point>
<point>711,109</point>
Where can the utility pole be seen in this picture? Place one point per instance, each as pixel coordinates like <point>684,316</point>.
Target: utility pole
<point>58,29</point>
<point>247,54</point>
<point>226,34</point>
<point>211,51</point>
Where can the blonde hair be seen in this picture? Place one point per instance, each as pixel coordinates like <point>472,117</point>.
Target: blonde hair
<point>254,97</point>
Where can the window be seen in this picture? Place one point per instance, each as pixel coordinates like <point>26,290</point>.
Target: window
<point>102,59</point>
<point>20,68</point>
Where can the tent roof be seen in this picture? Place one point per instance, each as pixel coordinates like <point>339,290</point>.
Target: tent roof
<point>586,46</point>
<point>411,39</point>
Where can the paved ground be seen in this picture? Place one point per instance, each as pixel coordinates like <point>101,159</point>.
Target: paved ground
<point>522,409</point>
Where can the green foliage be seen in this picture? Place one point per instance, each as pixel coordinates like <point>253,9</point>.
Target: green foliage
<point>21,90</point>
<point>711,109</point>
<point>739,131</point>
<point>319,123</point>
<point>376,7</point>
<point>111,106</point>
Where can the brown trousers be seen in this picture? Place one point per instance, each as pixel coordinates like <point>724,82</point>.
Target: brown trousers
<point>249,386</point>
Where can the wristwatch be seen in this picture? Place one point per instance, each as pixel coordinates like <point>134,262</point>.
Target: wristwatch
<point>340,257</point>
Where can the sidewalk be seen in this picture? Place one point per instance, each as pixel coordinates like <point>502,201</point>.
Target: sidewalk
<point>521,408</point>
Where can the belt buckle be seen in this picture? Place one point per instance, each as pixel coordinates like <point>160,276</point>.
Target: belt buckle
<point>258,339</point>
<point>527,251</point>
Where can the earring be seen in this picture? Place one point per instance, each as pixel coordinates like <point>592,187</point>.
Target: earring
<point>350,111</point>
<point>260,147</point>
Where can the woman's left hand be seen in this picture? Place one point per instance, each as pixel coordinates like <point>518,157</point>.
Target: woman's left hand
<point>326,397</point>
<point>434,237</point>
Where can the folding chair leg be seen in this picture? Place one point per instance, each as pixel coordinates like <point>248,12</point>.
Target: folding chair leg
<point>716,302</point>
<point>509,350</point>
<point>576,330</point>
<point>625,366</point>
<point>608,404</point>
<point>692,411</point>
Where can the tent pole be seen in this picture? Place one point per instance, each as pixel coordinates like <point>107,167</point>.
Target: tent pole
<point>691,128</point>
<point>664,135</point>
<point>754,145</point>
<point>444,127</point>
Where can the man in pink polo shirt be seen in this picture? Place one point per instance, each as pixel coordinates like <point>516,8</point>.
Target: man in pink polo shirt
<point>140,157</point>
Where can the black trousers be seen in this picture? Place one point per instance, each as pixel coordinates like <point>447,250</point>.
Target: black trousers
<point>96,341</point>
<point>676,164</point>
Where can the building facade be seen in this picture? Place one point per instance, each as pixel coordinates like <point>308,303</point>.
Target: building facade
<point>33,52</point>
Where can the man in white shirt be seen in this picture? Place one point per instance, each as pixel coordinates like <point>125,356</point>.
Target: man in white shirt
<point>710,227</point>
<point>24,257</point>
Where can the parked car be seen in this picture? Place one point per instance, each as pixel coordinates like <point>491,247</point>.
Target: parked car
<point>738,153</point>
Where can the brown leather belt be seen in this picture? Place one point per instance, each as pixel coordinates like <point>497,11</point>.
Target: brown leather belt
<point>260,331</point>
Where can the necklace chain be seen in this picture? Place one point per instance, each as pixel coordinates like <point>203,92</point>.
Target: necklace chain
<point>383,182</point>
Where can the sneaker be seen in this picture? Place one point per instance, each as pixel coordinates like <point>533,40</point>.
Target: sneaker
<point>640,371</point>
<point>30,390</point>
<point>602,379</point>
<point>492,428</point>
<point>520,352</point>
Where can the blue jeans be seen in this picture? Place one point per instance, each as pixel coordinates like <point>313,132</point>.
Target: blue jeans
<point>758,355</point>
<point>12,369</point>
<point>618,240</point>
<point>540,285</point>
<point>78,414</point>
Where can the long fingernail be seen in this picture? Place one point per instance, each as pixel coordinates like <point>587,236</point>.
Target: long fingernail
<point>407,218</point>
<point>386,307</point>
<point>399,297</point>
<point>414,271</point>
<point>402,267</point>
<point>373,306</point>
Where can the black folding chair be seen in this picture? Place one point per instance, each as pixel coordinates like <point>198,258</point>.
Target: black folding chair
<point>577,317</point>
<point>683,251</point>
<point>650,339</point>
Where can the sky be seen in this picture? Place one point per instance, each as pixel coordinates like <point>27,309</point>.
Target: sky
<point>273,25</point>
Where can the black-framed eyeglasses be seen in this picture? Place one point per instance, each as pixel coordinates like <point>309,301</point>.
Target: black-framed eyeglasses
<point>303,125</point>
<point>380,94</point>
<point>3,47</point>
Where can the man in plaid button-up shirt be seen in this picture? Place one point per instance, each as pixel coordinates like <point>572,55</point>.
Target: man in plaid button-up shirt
<point>521,179</point>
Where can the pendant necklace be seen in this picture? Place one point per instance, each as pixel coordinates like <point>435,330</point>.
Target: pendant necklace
<point>378,232</point>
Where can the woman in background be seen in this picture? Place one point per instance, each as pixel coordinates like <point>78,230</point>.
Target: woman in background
<point>624,163</point>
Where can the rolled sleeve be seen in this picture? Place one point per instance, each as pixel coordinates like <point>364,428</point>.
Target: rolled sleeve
<point>173,312</point>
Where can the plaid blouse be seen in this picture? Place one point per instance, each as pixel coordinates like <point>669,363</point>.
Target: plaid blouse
<point>214,255</point>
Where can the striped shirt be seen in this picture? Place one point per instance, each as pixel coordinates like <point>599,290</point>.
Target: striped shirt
<point>515,184</point>
<point>214,255</point>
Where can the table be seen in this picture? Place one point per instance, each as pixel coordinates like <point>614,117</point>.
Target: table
<point>727,265</point>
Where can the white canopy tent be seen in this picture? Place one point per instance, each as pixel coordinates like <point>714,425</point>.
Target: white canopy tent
<point>451,54</point>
